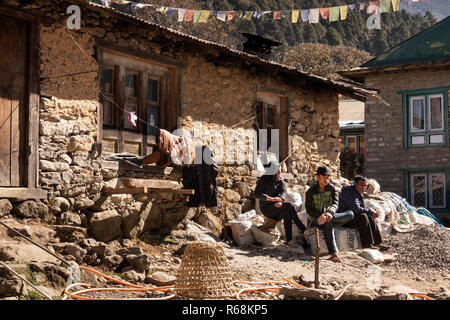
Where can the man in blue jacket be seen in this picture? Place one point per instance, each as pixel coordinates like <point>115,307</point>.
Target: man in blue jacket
<point>351,198</point>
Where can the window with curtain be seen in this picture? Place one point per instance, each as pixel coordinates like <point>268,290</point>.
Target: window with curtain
<point>426,125</point>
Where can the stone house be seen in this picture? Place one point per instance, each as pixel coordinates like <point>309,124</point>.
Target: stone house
<point>407,144</point>
<point>66,94</point>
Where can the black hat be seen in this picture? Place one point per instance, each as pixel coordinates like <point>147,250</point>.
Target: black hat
<point>323,171</point>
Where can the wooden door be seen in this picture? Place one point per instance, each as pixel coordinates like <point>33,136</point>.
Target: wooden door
<point>13,75</point>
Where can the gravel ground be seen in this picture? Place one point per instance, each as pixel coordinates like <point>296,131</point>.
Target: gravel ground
<point>426,249</point>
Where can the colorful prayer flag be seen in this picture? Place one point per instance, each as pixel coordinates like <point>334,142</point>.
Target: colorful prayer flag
<point>295,14</point>
<point>189,15</point>
<point>231,15</point>
<point>334,14</point>
<point>351,7</point>
<point>248,15</point>
<point>161,9</point>
<point>314,15</point>
<point>197,14</point>
<point>276,15</point>
<point>171,11</point>
<point>204,15</point>
<point>285,14</point>
<point>385,6</point>
<point>362,6</point>
<point>181,13</point>
<point>343,12</point>
<point>222,16</point>
<point>305,15</point>
<point>324,12</point>
<point>373,5</point>
<point>394,5</point>
<point>239,14</point>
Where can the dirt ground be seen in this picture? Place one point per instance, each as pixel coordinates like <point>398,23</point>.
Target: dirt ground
<point>264,264</point>
<point>258,264</point>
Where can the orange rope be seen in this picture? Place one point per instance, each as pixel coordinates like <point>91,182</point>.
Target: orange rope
<point>293,283</point>
<point>422,296</point>
<point>76,295</point>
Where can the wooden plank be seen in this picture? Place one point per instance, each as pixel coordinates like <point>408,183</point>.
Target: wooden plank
<point>145,190</point>
<point>159,59</point>
<point>286,176</point>
<point>23,193</point>
<point>32,162</point>
<point>149,183</point>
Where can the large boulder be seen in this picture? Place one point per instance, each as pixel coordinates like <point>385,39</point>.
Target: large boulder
<point>211,222</point>
<point>21,252</point>
<point>106,225</point>
<point>133,221</point>
<point>31,209</point>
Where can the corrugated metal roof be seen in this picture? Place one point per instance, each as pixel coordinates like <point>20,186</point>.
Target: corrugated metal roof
<point>432,44</point>
<point>346,87</point>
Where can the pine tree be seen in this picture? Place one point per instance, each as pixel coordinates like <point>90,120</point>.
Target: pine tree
<point>333,37</point>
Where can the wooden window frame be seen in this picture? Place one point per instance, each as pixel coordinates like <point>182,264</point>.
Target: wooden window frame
<point>427,172</point>
<point>408,135</point>
<point>149,66</point>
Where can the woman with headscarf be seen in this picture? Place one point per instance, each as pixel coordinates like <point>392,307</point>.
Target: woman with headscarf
<point>271,190</point>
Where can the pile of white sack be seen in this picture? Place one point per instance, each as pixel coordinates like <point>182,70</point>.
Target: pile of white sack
<point>246,232</point>
<point>395,214</point>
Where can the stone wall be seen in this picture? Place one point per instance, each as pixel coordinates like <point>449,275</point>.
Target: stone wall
<point>384,128</point>
<point>217,96</point>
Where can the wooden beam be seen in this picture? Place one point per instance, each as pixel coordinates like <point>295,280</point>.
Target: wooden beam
<point>150,183</point>
<point>145,190</point>
<point>256,173</point>
<point>22,193</point>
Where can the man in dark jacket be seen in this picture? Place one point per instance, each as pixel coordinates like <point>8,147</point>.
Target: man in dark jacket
<point>321,204</point>
<point>351,198</point>
<point>271,189</point>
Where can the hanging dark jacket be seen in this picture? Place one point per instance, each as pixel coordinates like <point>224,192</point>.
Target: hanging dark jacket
<point>201,178</point>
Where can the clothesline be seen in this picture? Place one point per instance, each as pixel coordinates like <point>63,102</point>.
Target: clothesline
<point>311,15</point>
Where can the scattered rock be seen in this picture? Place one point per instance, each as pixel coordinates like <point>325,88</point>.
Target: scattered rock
<point>358,293</point>
<point>208,220</point>
<point>140,262</point>
<point>394,296</point>
<point>106,225</point>
<point>307,294</point>
<point>5,207</point>
<point>24,230</point>
<point>133,276</point>
<point>70,218</point>
<point>113,260</point>
<point>130,251</point>
<point>59,205</point>
<point>159,278</point>
<point>77,252</point>
<point>307,279</point>
<point>70,233</point>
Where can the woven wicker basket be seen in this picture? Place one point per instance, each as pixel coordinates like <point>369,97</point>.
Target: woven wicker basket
<point>204,272</point>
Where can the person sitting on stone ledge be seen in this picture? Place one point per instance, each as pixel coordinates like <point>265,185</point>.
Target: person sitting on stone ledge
<point>351,198</point>
<point>321,203</point>
<point>271,189</point>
